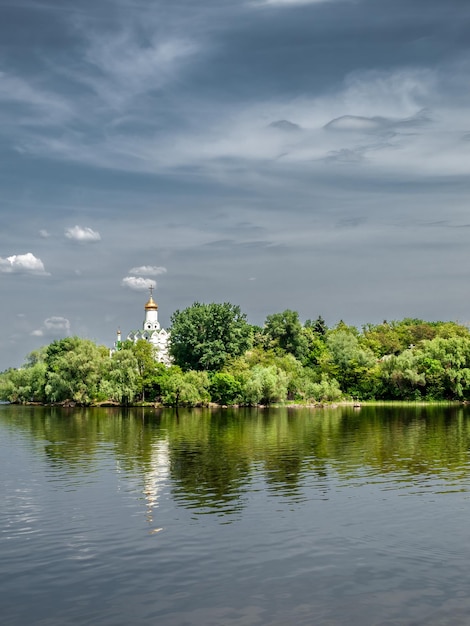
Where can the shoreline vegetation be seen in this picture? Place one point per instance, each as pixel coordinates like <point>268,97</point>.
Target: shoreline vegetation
<point>220,360</point>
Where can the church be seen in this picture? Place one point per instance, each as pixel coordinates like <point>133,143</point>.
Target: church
<point>151,332</point>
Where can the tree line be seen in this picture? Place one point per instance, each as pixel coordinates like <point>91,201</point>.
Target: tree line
<point>219,357</point>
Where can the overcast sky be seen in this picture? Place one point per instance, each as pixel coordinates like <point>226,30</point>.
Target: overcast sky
<point>302,154</point>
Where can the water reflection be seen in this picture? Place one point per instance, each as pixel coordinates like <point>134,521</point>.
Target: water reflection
<point>155,478</point>
<point>235,517</point>
<point>211,460</point>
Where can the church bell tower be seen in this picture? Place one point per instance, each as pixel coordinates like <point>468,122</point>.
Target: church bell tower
<point>151,313</point>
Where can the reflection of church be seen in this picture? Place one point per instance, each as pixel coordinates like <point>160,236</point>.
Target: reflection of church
<point>151,332</point>
<point>155,478</point>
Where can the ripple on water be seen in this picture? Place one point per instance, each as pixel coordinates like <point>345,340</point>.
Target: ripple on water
<point>266,521</point>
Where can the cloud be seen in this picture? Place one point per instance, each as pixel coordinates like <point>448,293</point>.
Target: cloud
<point>345,156</point>
<point>82,234</point>
<point>44,108</point>
<point>360,123</point>
<point>355,122</point>
<point>22,264</point>
<point>138,283</point>
<point>44,233</point>
<point>129,113</point>
<point>55,326</point>
<point>285,125</point>
<point>121,66</point>
<point>379,118</point>
<point>148,270</point>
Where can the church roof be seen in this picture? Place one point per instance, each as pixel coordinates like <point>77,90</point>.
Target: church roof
<point>151,305</point>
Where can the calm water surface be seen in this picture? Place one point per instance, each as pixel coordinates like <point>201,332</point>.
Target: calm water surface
<point>253,518</point>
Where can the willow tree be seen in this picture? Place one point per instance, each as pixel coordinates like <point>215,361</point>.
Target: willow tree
<point>73,370</point>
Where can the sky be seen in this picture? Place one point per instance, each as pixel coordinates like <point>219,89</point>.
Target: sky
<point>311,155</point>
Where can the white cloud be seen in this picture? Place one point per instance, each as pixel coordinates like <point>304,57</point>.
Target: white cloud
<point>55,326</point>
<point>148,270</point>
<point>44,233</point>
<point>354,122</point>
<point>127,68</point>
<point>82,234</point>
<point>138,283</point>
<point>22,264</point>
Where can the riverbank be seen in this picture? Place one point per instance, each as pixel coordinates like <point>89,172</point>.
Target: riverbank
<point>289,405</point>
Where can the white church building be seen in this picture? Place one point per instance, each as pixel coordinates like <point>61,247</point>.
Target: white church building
<point>151,332</point>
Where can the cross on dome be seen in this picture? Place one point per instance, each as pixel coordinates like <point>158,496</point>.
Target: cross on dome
<point>151,304</point>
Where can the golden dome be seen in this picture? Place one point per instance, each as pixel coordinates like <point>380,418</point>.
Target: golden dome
<point>151,305</point>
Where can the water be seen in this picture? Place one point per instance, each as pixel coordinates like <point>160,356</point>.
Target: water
<point>253,518</point>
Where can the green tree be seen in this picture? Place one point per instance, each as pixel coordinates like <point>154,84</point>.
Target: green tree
<point>23,385</point>
<point>317,326</point>
<point>265,385</point>
<point>396,336</point>
<point>225,388</point>
<point>204,336</point>
<point>401,377</point>
<point>120,379</point>
<point>325,390</point>
<point>73,370</point>
<point>446,366</point>
<point>316,347</point>
<point>285,333</point>
<point>350,364</point>
<point>149,370</point>
<point>185,388</point>
<point>383,339</point>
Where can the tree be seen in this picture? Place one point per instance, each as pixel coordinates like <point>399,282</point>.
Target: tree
<point>148,368</point>
<point>325,390</point>
<point>73,370</point>
<point>185,388</point>
<point>286,333</point>
<point>350,364</point>
<point>120,380</point>
<point>265,385</point>
<point>225,388</point>
<point>400,377</point>
<point>383,339</point>
<point>204,336</point>
<point>23,385</point>
<point>446,366</point>
<point>318,326</point>
<point>316,347</point>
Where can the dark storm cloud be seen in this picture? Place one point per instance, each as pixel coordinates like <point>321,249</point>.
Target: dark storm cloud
<point>307,48</point>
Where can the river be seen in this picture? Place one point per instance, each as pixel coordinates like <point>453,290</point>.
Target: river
<point>113,517</point>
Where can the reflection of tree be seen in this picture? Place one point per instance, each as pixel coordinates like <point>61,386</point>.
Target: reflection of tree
<point>209,467</point>
<point>209,475</point>
<point>211,458</point>
<point>413,440</point>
